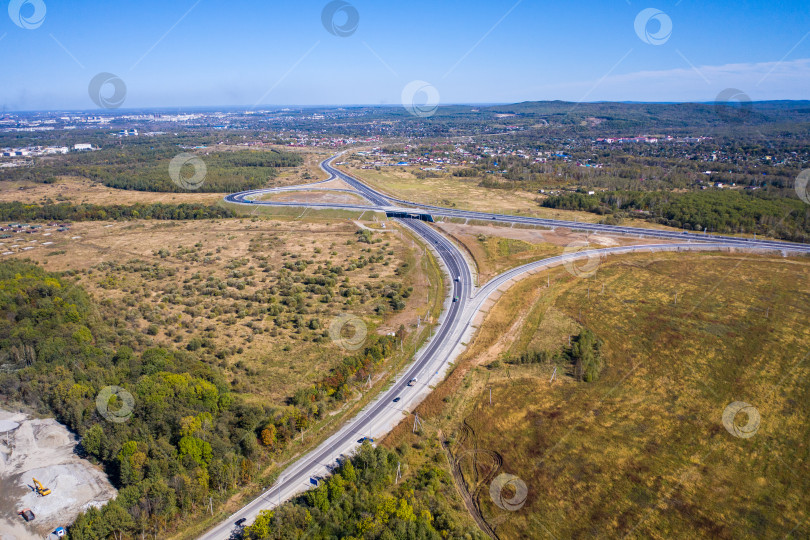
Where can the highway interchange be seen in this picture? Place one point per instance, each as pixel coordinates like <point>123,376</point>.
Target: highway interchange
<point>455,327</point>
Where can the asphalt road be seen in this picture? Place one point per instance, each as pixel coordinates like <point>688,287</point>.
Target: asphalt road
<point>455,324</point>
<point>381,202</point>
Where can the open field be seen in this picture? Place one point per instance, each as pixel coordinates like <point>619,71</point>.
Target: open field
<point>71,189</point>
<point>643,452</point>
<point>296,213</point>
<point>466,194</point>
<point>456,193</point>
<point>322,197</point>
<point>496,249</point>
<point>215,284</point>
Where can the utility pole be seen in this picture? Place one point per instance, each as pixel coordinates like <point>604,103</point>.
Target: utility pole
<point>399,475</point>
<point>490,396</point>
<point>553,375</point>
<point>676,298</point>
<point>416,422</point>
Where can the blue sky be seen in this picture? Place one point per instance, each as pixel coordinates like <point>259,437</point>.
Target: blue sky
<point>188,53</point>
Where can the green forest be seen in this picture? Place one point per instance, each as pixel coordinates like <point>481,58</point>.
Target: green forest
<point>363,499</point>
<point>717,211</point>
<point>145,167</point>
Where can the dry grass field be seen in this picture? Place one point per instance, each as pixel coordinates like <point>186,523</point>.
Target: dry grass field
<point>244,289</point>
<point>495,249</point>
<point>466,194</point>
<point>644,451</point>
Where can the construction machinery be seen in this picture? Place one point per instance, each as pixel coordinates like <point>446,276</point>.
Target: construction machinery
<point>40,489</point>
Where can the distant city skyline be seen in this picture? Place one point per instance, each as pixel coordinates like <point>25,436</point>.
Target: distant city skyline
<point>249,54</point>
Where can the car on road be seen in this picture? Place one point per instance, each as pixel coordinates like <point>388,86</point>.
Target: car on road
<point>364,439</point>
<point>396,399</point>
<point>412,382</point>
<point>240,522</point>
<point>455,299</point>
<point>458,278</point>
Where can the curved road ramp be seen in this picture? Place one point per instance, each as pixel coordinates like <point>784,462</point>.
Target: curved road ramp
<point>463,308</point>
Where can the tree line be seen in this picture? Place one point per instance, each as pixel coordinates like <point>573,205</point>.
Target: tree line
<point>584,356</point>
<point>17,211</point>
<point>719,211</point>
<point>362,499</point>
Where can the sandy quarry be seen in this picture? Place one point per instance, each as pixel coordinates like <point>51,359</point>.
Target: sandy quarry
<point>44,449</point>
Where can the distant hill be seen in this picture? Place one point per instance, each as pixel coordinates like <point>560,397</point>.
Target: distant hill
<point>657,116</point>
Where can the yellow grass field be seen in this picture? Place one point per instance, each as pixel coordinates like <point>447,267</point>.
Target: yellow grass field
<point>644,452</point>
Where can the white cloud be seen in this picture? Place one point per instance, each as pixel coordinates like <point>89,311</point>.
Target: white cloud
<point>761,81</point>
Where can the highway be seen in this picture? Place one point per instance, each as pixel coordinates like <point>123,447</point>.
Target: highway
<point>455,326</point>
<point>382,202</point>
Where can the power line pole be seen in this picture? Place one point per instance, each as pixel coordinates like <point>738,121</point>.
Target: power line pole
<point>416,422</point>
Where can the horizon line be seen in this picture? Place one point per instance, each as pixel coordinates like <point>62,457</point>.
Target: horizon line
<point>253,109</point>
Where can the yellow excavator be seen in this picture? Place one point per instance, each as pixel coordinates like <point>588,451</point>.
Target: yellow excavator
<point>40,489</point>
